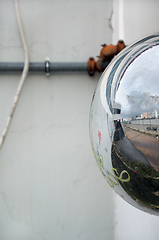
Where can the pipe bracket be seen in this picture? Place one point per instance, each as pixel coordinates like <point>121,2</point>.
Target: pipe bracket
<point>47,67</point>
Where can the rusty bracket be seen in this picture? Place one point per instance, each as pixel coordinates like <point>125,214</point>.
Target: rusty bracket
<point>107,53</point>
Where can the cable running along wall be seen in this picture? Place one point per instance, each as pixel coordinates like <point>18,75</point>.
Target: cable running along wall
<point>23,76</point>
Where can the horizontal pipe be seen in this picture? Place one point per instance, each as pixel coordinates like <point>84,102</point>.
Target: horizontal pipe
<point>43,67</point>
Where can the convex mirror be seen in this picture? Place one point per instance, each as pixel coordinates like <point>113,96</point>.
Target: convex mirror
<point>124,124</point>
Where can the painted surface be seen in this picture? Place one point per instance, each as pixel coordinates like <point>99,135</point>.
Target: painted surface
<point>50,185</point>
<point>135,19</point>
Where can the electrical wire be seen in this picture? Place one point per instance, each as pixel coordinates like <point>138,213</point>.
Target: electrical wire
<point>23,76</point>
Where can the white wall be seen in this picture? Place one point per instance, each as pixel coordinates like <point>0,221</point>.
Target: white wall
<point>50,185</point>
<point>133,20</point>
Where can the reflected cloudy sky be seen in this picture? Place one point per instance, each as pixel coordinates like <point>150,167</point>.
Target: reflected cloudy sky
<point>139,88</point>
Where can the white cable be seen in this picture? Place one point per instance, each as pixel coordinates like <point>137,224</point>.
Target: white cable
<point>23,76</point>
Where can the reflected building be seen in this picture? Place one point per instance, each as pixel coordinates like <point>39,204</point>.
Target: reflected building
<point>146,115</point>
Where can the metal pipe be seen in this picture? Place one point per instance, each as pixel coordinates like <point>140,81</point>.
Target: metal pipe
<point>41,66</point>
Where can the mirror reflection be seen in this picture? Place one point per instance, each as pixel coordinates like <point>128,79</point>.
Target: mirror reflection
<point>124,124</point>
<point>135,146</point>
